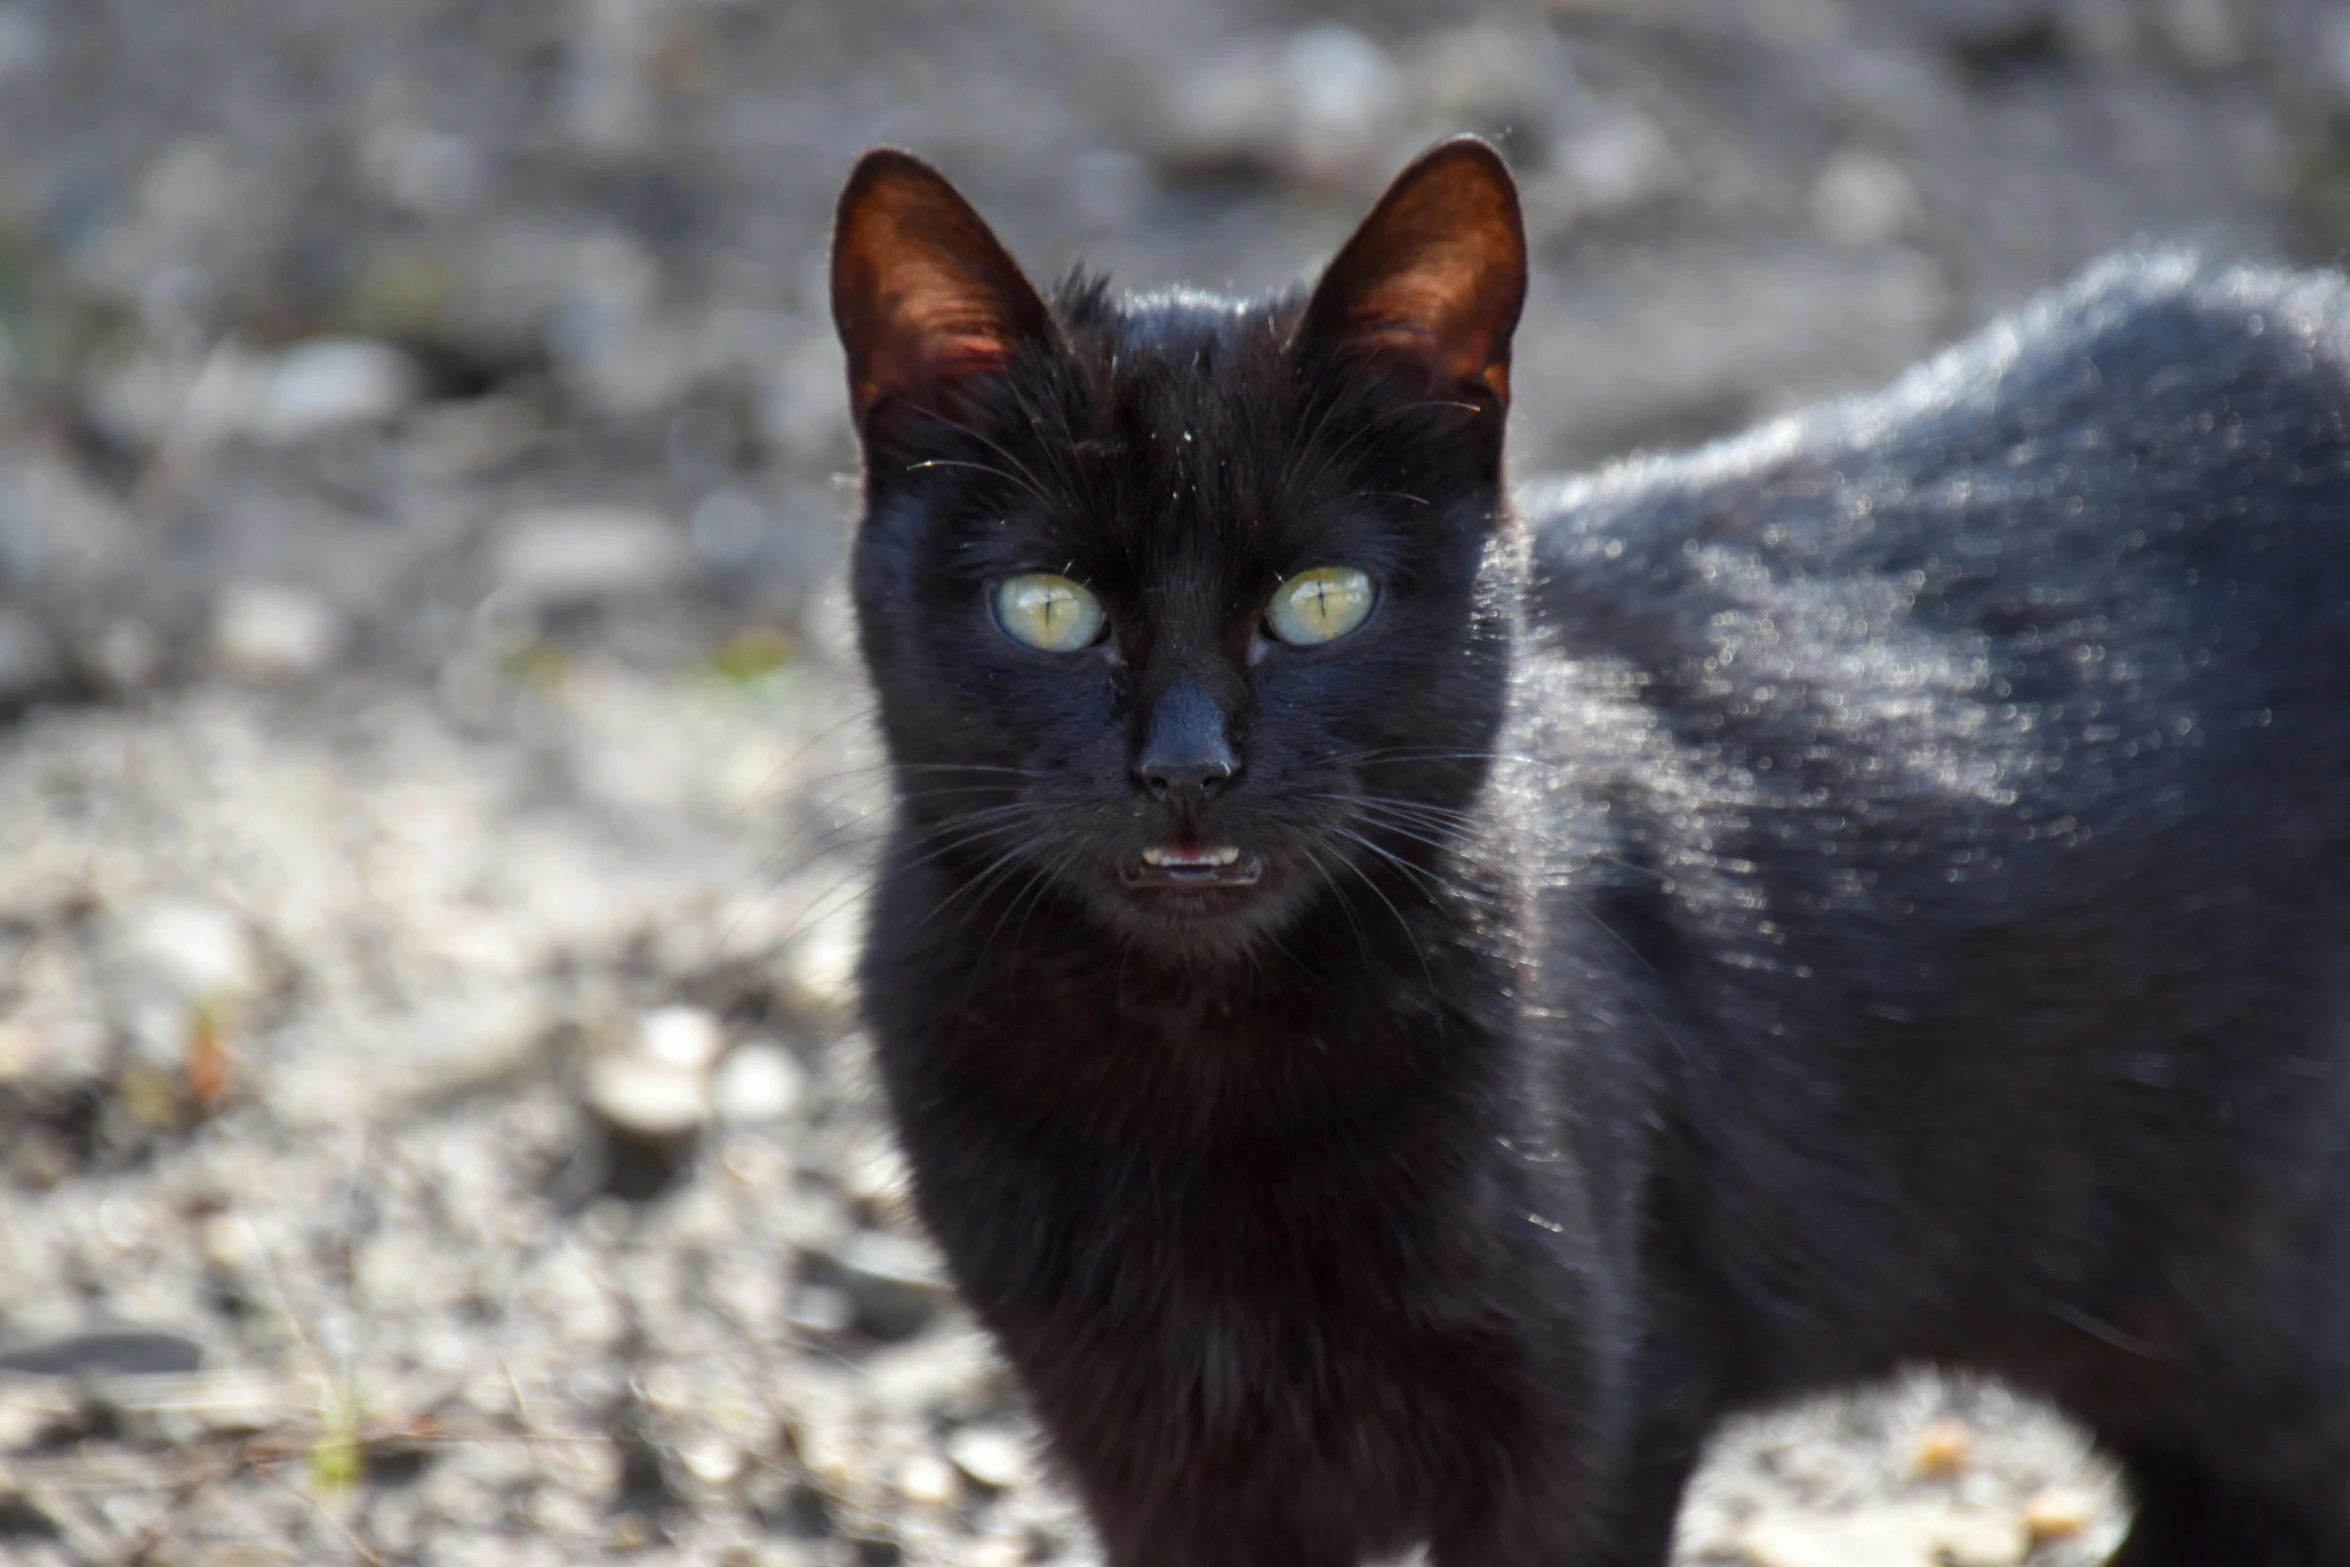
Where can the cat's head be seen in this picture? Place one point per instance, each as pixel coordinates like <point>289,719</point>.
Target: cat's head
<point>1183,613</point>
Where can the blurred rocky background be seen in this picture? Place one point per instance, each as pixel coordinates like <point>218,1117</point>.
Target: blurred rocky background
<point>433,793</point>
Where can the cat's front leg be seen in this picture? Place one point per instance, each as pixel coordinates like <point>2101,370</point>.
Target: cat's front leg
<point>1261,1553</point>
<point>1671,1408</point>
<point>1603,1493</point>
<point>1537,1534</point>
<point>1224,1540</point>
<point>1532,1506</point>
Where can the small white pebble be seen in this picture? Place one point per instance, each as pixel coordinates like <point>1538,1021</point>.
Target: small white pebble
<point>759,1081</point>
<point>928,1479</point>
<point>686,1038</point>
<point>261,631</point>
<point>647,1098</point>
<point>713,1460</point>
<point>990,1455</point>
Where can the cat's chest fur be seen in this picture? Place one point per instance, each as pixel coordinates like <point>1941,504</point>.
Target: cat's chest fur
<point>1247,1232</point>
<point>1272,1138</point>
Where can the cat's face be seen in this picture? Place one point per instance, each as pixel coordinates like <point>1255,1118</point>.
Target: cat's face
<point>1183,614</point>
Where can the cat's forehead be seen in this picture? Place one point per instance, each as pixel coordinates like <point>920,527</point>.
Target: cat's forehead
<point>1183,354</point>
<point>1204,381</point>
<point>1176,434</point>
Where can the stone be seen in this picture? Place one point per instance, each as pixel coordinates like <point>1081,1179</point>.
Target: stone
<point>123,656</point>
<point>587,554</point>
<point>2108,34</point>
<point>23,1517</point>
<point>463,440</point>
<point>31,1410</point>
<point>167,964</point>
<point>655,1085</point>
<point>30,664</point>
<point>874,1173</point>
<point>688,1039</point>
<point>630,1531</point>
<point>268,632</point>
<point>1614,164</point>
<point>428,172</point>
<point>2332,59</point>
<point>1500,69</point>
<point>711,1459</point>
<point>728,530</point>
<point>2058,1512</point>
<point>1944,1449</point>
<point>608,102</point>
<point>1980,1537</point>
<point>1973,28</point>
<point>467,1040</point>
<point>990,1456</point>
<point>928,1480</point>
<point>2205,35</point>
<point>820,971</point>
<point>1910,1536</point>
<point>759,1081</point>
<point>68,546</point>
<point>121,1351</point>
<point>1317,106</point>
<point>647,1099</point>
<point>626,367</point>
<point>330,384</point>
<point>229,1400</point>
<point>1863,199</point>
<point>821,1309</point>
<point>895,1284</point>
<point>1346,95</point>
<point>22,1048</point>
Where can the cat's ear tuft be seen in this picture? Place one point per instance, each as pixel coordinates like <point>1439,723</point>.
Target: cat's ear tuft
<point>923,294</point>
<point>1435,277</point>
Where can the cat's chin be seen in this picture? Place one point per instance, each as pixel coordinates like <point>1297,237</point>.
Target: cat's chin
<point>1204,915</point>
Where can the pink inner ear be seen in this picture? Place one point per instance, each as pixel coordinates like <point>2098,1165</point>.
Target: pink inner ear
<point>925,336</point>
<point>923,294</point>
<point>1435,276</point>
<point>1441,318</point>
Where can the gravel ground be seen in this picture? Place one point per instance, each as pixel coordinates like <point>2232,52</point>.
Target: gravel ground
<point>435,794</point>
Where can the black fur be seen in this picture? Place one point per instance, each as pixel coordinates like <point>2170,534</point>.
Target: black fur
<point>1974,762</point>
<point>1871,893</point>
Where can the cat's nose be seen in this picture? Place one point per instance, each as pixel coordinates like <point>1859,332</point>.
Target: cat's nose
<point>1186,755</point>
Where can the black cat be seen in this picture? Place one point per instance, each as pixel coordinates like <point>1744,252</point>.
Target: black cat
<point>1402,1018</point>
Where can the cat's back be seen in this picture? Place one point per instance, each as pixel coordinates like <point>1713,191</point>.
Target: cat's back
<point>2094,552</point>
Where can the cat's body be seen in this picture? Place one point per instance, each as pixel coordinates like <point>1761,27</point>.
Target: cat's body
<point>1888,905</point>
<point>1978,769</point>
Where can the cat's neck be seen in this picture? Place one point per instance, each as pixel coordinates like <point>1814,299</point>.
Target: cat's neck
<point>1387,992</point>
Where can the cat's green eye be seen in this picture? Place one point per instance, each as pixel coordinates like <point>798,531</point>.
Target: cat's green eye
<point>1048,612</point>
<point>1320,605</point>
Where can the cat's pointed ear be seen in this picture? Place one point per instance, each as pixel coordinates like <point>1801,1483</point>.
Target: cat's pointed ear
<point>923,294</point>
<point>1435,277</point>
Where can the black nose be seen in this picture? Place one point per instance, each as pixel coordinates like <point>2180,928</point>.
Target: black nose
<point>1185,754</point>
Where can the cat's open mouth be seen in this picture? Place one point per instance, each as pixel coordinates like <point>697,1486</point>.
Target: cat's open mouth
<point>1189,865</point>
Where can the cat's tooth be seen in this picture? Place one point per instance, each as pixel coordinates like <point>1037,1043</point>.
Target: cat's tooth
<point>1221,854</point>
